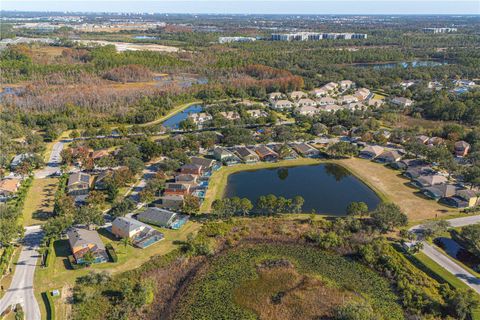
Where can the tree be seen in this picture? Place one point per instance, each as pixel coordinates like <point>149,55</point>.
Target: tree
<point>461,303</point>
<point>297,204</point>
<point>95,198</point>
<point>471,238</point>
<point>357,209</point>
<point>342,149</point>
<point>88,258</point>
<point>88,215</point>
<point>120,209</point>
<point>434,228</point>
<point>355,311</point>
<point>245,206</point>
<point>191,205</point>
<point>388,216</point>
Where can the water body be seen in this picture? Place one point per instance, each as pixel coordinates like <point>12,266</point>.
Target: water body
<point>174,120</point>
<point>402,64</point>
<point>326,188</point>
<point>145,38</point>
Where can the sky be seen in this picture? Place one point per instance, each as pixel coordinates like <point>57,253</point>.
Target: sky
<point>252,6</point>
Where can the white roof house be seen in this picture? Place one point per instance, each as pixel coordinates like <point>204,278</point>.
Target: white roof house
<point>201,117</point>
<point>308,110</point>
<point>282,104</point>
<point>257,113</point>
<point>296,95</point>
<point>346,84</point>
<point>319,92</point>
<point>347,99</point>
<point>275,96</point>
<point>326,101</point>
<point>306,102</point>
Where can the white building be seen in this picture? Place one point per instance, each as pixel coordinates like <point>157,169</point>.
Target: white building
<point>282,104</point>
<point>306,102</point>
<point>235,39</point>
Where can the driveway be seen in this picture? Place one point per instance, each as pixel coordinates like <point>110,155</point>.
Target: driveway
<point>21,289</point>
<point>446,262</point>
<point>53,163</point>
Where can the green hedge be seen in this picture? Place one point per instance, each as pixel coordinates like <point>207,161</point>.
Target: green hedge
<point>49,254</point>
<point>5,259</point>
<point>49,305</point>
<point>111,252</point>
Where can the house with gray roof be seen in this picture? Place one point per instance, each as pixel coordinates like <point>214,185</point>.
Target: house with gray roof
<point>78,184</point>
<point>163,218</point>
<point>141,234</point>
<point>82,241</point>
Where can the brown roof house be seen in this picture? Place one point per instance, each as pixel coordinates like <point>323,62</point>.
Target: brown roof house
<point>388,156</point>
<point>266,154</point>
<point>8,187</point>
<point>429,180</point>
<point>305,150</point>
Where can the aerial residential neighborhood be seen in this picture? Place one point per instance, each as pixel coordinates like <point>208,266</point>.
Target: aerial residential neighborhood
<point>240,160</point>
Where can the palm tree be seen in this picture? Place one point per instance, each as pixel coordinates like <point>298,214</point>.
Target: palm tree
<point>88,258</point>
<point>126,241</point>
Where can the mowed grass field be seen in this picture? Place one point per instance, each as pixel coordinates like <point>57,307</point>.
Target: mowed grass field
<point>59,276</point>
<point>387,183</point>
<point>39,202</point>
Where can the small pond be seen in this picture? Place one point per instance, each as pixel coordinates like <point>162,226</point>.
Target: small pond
<point>173,121</point>
<point>403,64</point>
<point>326,188</point>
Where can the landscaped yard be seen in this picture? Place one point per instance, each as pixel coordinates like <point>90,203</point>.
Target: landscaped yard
<point>58,275</point>
<point>39,201</point>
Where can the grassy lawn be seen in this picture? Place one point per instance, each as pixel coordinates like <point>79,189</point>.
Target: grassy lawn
<point>386,182</point>
<point>39,202</point>
<point>58,276</point>
<point>392,186</point>
<point>7,280</point>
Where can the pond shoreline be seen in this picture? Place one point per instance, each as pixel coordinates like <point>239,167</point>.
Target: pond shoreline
<point>219,180</point>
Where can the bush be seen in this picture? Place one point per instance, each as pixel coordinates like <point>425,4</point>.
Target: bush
<point>49,254</point>
<point>49,305</point>
<point>5,259</point>
<point>74,264</point>
<point>111,252</point>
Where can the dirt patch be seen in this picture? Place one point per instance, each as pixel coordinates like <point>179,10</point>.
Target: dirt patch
<point>282,293</point>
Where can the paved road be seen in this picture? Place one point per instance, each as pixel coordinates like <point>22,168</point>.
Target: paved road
<point>446,262</point>
<point>21,288</point>
<point>54,162</point>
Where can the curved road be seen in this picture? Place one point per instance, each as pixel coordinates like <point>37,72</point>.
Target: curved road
<point>21,288</point>
<point>446,262</point>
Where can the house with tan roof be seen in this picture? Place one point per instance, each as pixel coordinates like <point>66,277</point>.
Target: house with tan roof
<point>230,115</point>
<point>296,95</point>
<point>306,102</point>
<point>8,188</point>
<point>371,152</point>
<point>282,105</point>
<point>326,101</point>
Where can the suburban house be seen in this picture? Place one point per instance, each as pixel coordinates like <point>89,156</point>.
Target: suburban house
<point>100,180</point>
<point>98,154</point>
<point>282,104</point>
<point>191,168</point>
<point>331,86</point>
<point>425,181</point>
<point>319,92</point>
<point>389,156</point>
<point>326,101</point>
<point>464,198</point>
<point>306,102</point>
<point>439,191</point>
<point>225,156</point>
<point>347,99</point>
<point>416,171</point>
<point>362,94</point>
<point>177,188</point>
<point>8,188</point>
<point>435,141</point>
<point>266,154</point>
<point>275,96</point>
<point>297,95</point>
<point>308,110</point>
<point>204,163</point>
<point>247,155</point>
<point>356,106</point>
<point>331,108</point>
<point>402,102</point>
<point>256,113</point>
<point>461,148</point>
<point>375,102</point>
<point>171,201</point>
<point>141,234</point>
<point>82,241</point>
<point>78,184</point>
<point>305,150</point>
<point>345,84</point>
<point>186,178</point>
<point>200,118</point>
<point>18,159</point>
<point>230,115</point>
<point>163,218</point>
<point>371,152</point>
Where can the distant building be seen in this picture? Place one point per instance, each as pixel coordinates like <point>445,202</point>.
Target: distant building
<point>200,118</point>
<point>306,102</point>
<point>19,159</point>
<point>345,84</point>
<point>297,95</point>
<point>402,102</point>
<point>235,39</point>
<point>230,115</point>
<point>282,104</point>
<point>461,148</point>
<point>256,113</point>
<point>439,30</point>
<point>316,36</point>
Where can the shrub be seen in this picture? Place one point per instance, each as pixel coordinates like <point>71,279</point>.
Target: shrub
<point>111,252</point>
